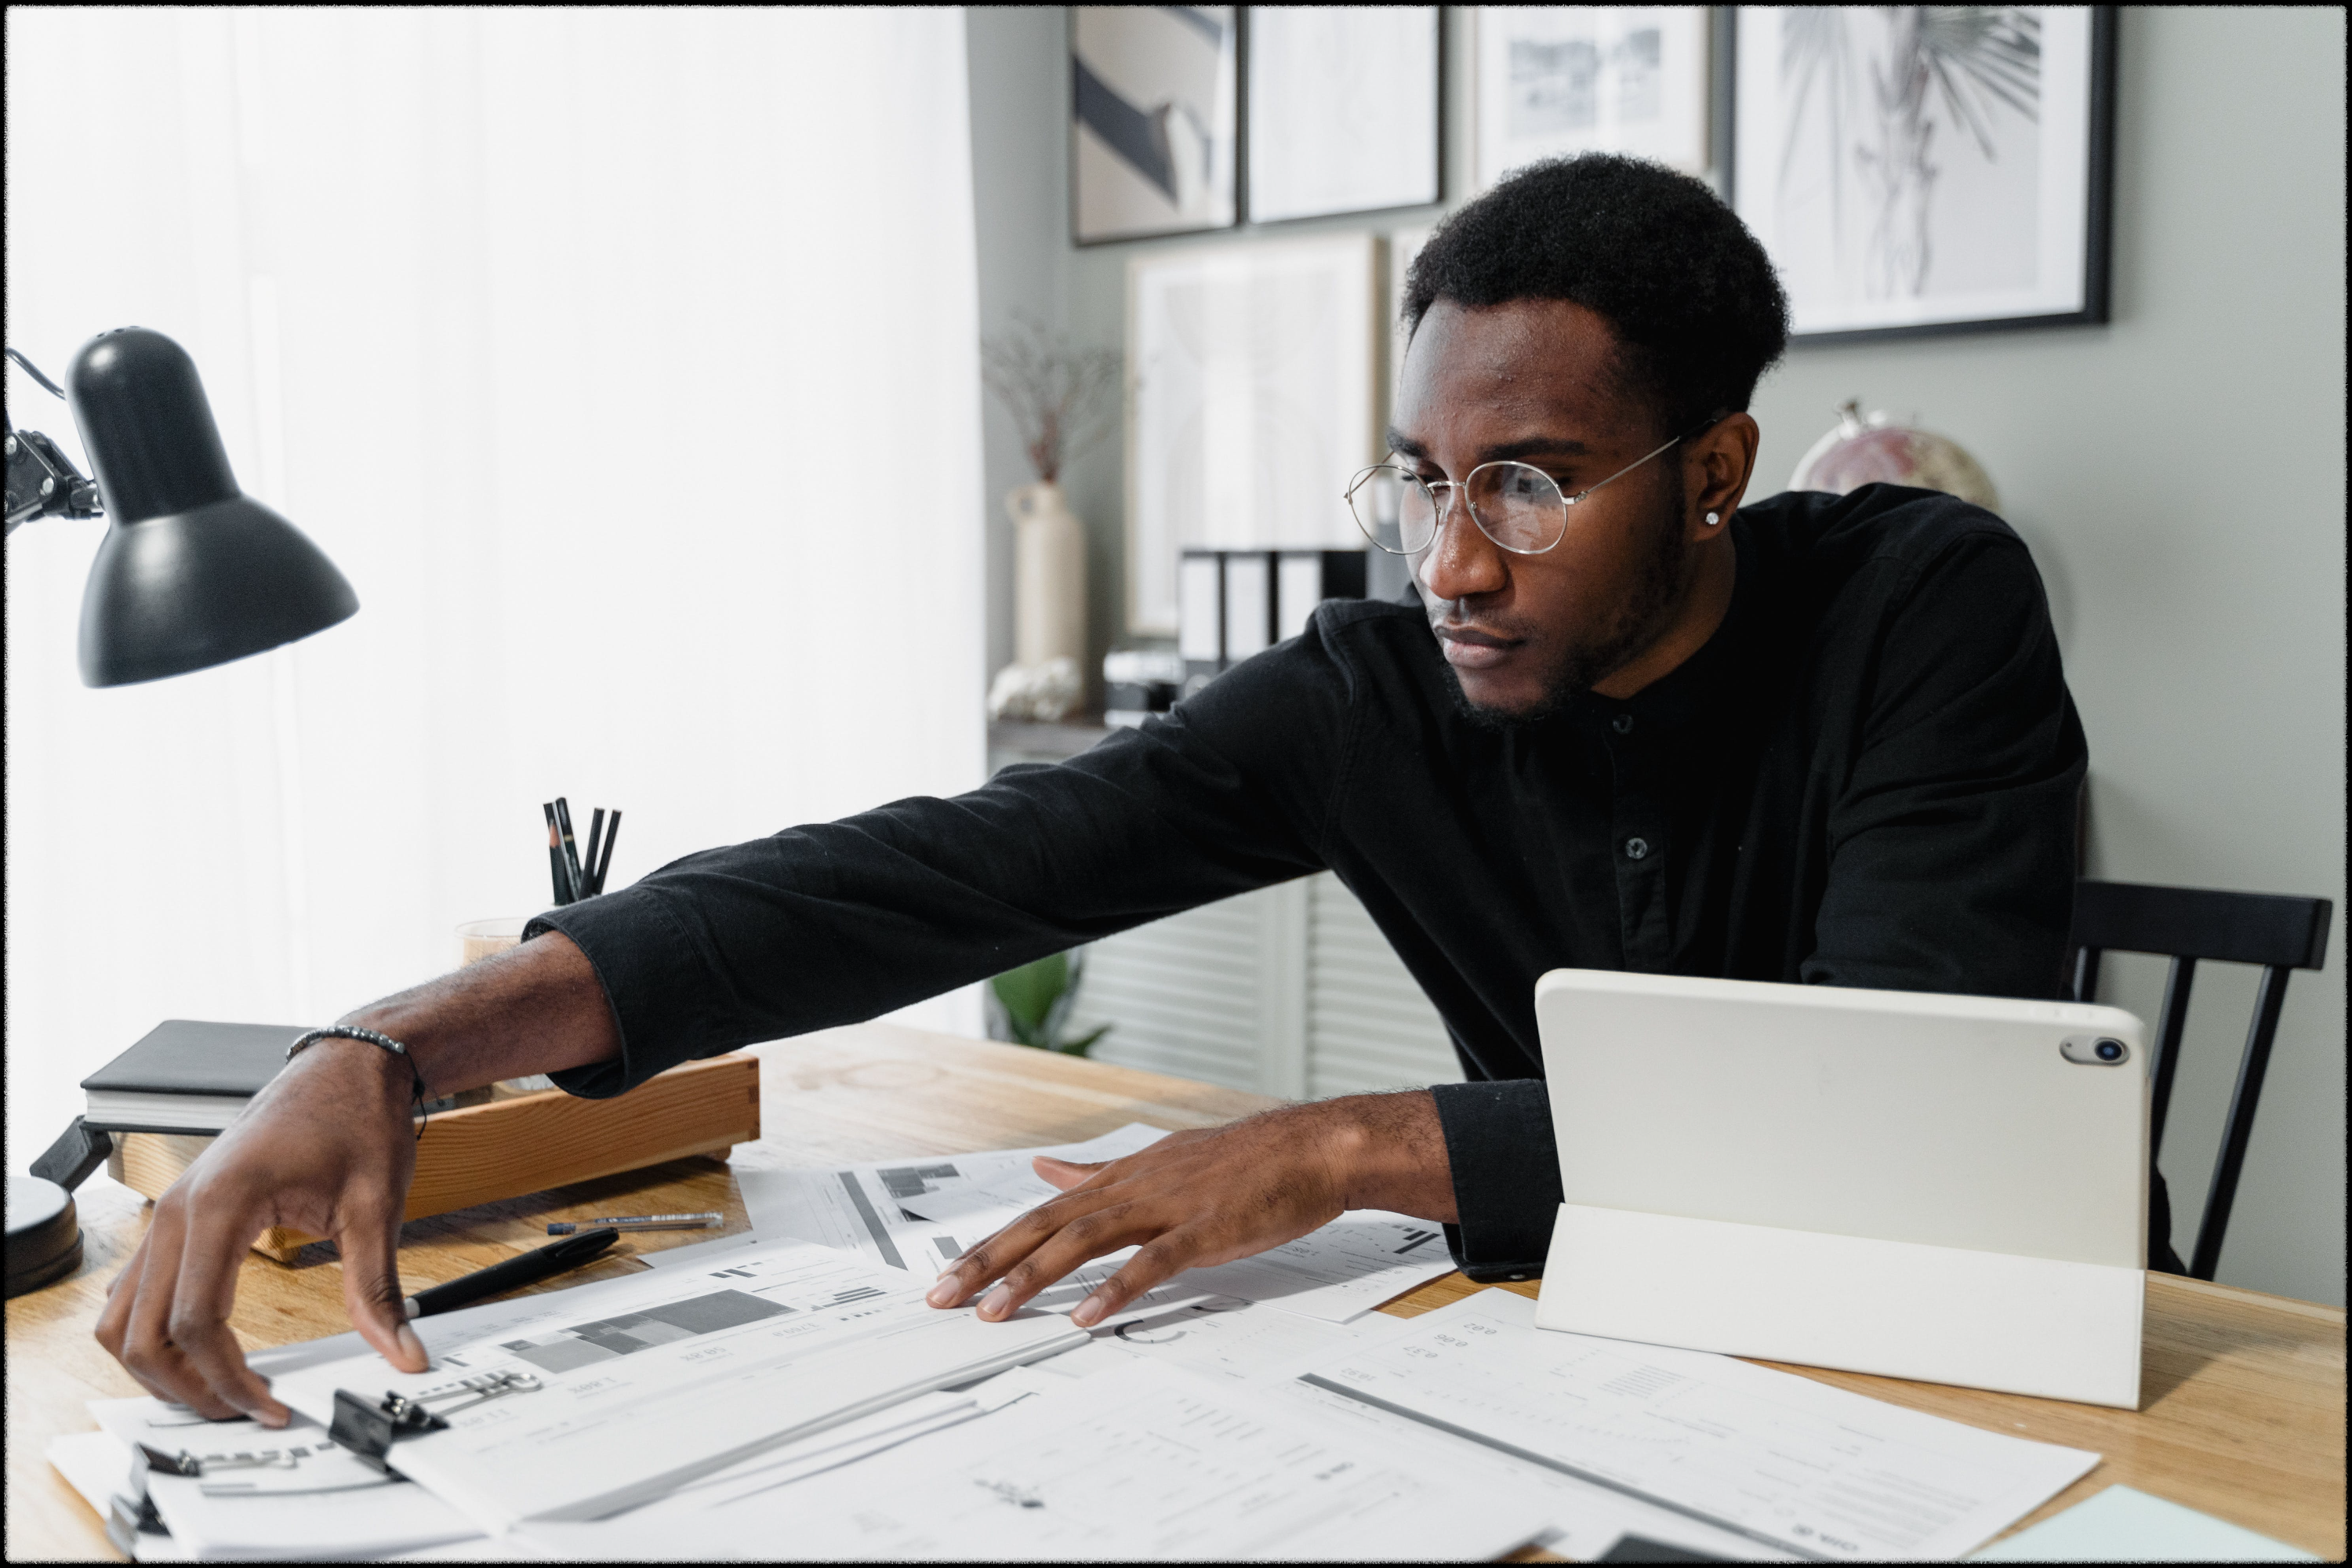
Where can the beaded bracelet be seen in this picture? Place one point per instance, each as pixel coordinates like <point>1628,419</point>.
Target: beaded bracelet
<point>350,1032</point>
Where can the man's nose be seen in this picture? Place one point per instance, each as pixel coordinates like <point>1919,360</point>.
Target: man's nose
<point>1461,562</point>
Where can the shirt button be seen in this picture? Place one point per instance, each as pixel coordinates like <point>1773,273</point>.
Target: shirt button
<point>1636,848</point>
<point>1622,723</point>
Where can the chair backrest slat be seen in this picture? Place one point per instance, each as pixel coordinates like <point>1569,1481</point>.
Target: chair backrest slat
<point>2272,930</point>
<point>2281,933</point>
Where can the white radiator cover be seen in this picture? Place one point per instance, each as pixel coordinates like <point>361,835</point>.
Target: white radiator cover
<point>1289,991</point>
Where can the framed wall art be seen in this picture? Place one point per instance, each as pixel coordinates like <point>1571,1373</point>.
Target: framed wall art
<point>1251,400</point>
<point>1403,245</point>
<point>1559,79</point>
<point>1344,109</point>
<point>1928,168</point>
<point>1153,119</point>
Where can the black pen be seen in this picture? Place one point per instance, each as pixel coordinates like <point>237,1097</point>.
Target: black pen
<point>570,848</point>
<point>612,831</point>
<point>512,1275</point>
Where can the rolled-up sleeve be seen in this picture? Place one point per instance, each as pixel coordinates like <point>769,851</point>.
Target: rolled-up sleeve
<point>1498,1140</point>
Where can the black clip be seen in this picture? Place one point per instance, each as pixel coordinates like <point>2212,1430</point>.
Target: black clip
<point>369,1431</point>
<point>131,1514</point>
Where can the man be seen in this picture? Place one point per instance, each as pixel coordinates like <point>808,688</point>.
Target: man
<point>1627,725</point>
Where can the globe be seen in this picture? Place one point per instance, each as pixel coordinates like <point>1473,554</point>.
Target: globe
<point>1870,448</point>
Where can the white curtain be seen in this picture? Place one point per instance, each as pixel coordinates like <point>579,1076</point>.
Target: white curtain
<point>624,360</point>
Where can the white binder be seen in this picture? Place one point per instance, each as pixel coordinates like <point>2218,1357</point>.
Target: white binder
<point>1947,1188</point>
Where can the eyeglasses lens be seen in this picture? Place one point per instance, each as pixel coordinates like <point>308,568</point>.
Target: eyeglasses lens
<point>1520,508</point>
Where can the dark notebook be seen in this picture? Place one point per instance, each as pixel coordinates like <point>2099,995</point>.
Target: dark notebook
<point>186,1077</point>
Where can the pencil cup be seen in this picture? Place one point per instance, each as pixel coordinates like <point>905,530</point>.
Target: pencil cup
<point>477,939</point>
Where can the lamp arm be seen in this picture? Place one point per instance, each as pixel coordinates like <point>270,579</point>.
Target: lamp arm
<point>42,480</point>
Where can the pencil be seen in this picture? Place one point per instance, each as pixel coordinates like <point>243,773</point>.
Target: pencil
<point>612,831</point>
<point>555,856</point>
<point>570,849</point>
<point>596,832</point>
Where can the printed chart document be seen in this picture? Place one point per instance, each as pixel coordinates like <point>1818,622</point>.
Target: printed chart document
<point>1781,1458</point>
<point>273,1492</point>
<point>664,1377</point>
<point>862,1208</point>
<point>1140,1463</point>
<point>1345,1268</point>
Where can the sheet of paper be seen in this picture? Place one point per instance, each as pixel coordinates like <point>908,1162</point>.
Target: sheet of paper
<point>1361,1261</point>
<point>861,1208</point>
<point>1778,1458</point>
<point>813,1456</point>
<point>664,1377</point>
<point>1142,1463</point>
<point>2122,1524</point>
<point>1266,1349</point>
<point>695,1254</point>
<point>1365,1258</point>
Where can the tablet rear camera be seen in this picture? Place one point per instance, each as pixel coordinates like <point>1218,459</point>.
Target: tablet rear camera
<point>2095,1050</point>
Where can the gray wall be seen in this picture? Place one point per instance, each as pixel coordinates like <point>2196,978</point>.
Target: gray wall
<point>2179,474</point>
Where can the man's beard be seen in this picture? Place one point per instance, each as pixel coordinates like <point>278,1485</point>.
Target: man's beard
<point>1657,584</point>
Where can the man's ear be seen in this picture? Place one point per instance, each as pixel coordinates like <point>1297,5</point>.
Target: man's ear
<point>1717,463</point>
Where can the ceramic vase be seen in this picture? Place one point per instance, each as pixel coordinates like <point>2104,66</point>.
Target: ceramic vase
<point>1049,577</point>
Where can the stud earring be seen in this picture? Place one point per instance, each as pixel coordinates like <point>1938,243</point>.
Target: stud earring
<point>1712,518</point>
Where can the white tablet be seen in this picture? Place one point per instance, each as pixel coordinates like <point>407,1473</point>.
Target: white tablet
<point>1975,1122</point>
<point>1950,1188</point>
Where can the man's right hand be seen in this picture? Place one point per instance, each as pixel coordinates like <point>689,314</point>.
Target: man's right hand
<point>327,1148</point>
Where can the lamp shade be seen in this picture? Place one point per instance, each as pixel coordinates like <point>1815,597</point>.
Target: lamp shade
<point>192,572</point>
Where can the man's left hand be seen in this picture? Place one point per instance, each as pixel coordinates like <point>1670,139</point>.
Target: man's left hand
<point>1210,1197</point>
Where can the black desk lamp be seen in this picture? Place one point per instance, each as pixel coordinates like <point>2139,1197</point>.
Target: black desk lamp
<point>192,573</point>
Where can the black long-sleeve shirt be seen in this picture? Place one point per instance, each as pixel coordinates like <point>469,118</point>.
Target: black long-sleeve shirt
<point>1867,776</point>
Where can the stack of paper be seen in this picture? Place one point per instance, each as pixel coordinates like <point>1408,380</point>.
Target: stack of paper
<point>668,1376</point>
<point>1141,1463</point>
<point>1782,1459</point>
<point>266,1493</point>
<point>1254,1410</point>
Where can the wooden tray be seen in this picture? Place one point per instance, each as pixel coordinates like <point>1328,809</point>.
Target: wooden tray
<point>519,1143</point>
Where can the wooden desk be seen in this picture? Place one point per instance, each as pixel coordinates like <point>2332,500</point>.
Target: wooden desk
<point>2244,1409</point>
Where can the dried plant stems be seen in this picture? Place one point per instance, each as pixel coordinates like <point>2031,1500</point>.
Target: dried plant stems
<point>1062,398</point>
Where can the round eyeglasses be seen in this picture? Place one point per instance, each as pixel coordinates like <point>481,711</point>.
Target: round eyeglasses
<point>1517,505</point>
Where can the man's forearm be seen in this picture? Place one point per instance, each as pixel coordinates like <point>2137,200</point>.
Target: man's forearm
<point>536,1008</point>
<point>1392,1150</point>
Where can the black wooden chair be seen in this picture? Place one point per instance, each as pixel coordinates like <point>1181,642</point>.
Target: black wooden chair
<point>2190,924</point>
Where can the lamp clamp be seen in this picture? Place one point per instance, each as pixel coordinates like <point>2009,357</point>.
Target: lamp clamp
<point>42,480</point>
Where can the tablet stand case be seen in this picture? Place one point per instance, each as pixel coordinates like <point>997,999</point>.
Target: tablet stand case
<point>1915,1186</point>
<point>1898,1309</point>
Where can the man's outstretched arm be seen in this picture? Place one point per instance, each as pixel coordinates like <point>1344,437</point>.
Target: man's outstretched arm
<point>329,1147</point>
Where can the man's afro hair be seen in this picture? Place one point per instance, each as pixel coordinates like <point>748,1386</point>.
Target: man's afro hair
<point>1691,294</point>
